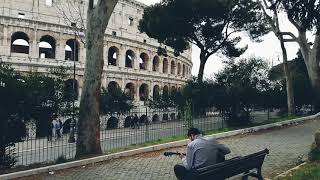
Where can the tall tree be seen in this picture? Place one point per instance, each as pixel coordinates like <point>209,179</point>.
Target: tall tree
<point>300,78</point>
<point>304,15</point>
<point>242,84</point>
<point>273,21</point>
<point>211,25</point>
<point>98,15</point>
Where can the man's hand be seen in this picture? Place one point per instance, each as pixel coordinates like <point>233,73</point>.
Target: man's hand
<point>181,155</point>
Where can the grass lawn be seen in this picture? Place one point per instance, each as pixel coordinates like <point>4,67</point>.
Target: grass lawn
<point>168,139</point>
<point>310,171</point>
<point>177,138</point>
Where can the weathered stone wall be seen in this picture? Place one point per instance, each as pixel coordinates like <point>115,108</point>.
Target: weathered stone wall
<point>33,20</point>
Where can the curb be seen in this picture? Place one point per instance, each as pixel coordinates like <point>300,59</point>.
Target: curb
<point>94,160</point>
<point>284,174</point>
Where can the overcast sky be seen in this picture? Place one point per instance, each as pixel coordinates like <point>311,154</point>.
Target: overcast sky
<point>269,49</point>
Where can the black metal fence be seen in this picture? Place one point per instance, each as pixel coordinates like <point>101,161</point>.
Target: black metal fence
<point>117,131</point>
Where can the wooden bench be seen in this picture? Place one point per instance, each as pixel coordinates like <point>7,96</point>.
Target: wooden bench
<point>249,165</point>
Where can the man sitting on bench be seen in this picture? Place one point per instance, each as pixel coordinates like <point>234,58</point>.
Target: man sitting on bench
<point>200,153</point>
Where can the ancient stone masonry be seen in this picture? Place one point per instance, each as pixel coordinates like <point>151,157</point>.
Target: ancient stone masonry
<point>34,36</point>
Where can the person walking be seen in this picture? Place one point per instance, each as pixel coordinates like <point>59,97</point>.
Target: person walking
<point>49,132</point>
<point>135,121</point>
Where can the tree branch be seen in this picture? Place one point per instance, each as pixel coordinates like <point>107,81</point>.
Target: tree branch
<point>295,24</point>
<point>293,37</point>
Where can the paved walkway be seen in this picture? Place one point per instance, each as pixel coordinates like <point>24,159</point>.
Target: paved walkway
<point>287,146</point>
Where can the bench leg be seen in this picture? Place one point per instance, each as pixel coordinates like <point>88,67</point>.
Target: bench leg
<point>259,174</point>
<point>245,177</point>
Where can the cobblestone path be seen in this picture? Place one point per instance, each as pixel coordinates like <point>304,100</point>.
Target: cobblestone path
<point>286,146</point>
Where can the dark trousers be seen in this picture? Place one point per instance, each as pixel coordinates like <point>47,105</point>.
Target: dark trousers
<point>183,174</point>
<point>180,171</point>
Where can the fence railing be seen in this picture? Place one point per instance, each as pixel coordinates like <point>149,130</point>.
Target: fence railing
<point>117,131</point>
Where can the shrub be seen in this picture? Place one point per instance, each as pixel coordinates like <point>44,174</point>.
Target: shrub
<point>314,154</point>
<point>61,159</point>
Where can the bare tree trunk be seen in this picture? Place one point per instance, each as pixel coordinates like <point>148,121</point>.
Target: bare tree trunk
<point>203,60</point>
<point>88,141</point>
<point>311,58</point>
<point>289,80</point>
<point>287,73</point>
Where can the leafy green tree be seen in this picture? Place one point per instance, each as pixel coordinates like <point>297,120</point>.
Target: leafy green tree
<point>163,101</point>
<point>304,16</point>
<point>273,20</point>
<point>211,25</point>
<point>241,85</point>
<point>11,95</point>
<point>115,101</point>
<point>26,97</point>
<point>300,77</point>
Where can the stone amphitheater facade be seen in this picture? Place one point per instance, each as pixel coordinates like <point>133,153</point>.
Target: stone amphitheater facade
<point>34,36</point>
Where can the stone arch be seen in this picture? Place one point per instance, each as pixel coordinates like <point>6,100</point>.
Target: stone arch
<point>156,92</point>
<point>165,117</point>
<point>173,67</point>
<point>112,86</point>
<point>165,90</point>
<point>130,90</point>
<point>179,69</point>
<point>144,92</point>
<point>173,116</point>
<point>155,118</point>
<point>113,54</point>
<point>71,89</point>
<point>173,89</point>
<point>143,119</point>
<point>72,50</point>
<point>184,70</point>
<point>20,43</point>
<point>155,63</point>
<point>112,123</point>
<point>47,47</point>
<point>144,61</point>
<point>165,65</point>
<point>129,59</point>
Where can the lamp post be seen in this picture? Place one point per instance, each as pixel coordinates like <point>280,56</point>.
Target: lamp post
<point>73,121</point>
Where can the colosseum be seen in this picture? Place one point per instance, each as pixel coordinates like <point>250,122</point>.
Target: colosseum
<point>35,36</point>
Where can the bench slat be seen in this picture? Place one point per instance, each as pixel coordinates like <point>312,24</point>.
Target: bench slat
<point>234,167</point>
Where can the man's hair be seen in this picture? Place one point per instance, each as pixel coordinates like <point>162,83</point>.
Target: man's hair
<point>193,131</point>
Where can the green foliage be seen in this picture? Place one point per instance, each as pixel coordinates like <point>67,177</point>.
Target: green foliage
<point>11,96</point>
<point>304,12</point>
<point>308,171</point>
<point>164,101</point>
<point>301,82</point>
<point>241,85</point>
<point>115,101</point>
<point>188,115</point>
<point>61,159</point>
<point>314,154</point>
<point>26,97</point>
<point>209,24</point>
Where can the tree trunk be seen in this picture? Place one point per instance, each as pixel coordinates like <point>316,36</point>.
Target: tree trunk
<point>287,73</point>
<point>289,80</point>
<point>311,58</point>
<point>88,141</point>
<point>203,60</point>
<point>314,75</point>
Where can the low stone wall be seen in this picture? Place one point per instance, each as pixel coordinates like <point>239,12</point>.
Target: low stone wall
<point>94,160</point>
